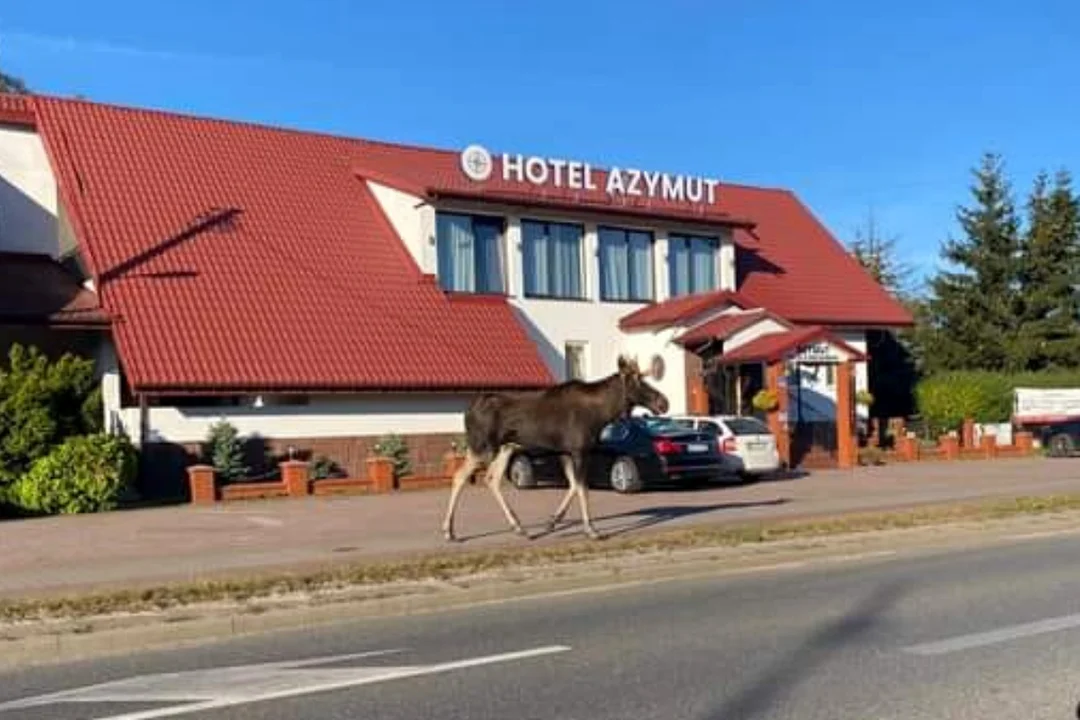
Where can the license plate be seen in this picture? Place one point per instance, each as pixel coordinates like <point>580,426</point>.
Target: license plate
<point>697,447</point>
<point>756,445</point>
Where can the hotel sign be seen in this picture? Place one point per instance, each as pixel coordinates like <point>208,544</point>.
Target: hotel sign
<point>820,352</point>
<point>478,166</point>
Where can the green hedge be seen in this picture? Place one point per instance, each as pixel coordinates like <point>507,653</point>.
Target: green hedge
<point>89,473</point>
<point>945,399</point>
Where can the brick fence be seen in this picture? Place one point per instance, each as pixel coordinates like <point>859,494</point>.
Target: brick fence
<point>296,481</point>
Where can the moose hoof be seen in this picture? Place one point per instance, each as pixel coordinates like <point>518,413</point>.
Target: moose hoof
<point>449,535</point>
<point>593,534</point>
<point>521,531</point>
<point>551,525</point>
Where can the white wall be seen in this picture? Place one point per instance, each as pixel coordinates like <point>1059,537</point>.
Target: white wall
<point>643,345</point>
<point>414,221</point>
<point>27,194</point>
<point>323,417</point>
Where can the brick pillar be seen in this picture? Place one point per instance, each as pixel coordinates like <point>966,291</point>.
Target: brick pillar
<point>967,434</point>
<point>774,373</point>
<point>846,446</point>
<point>1024,441</point>
<point>296,476</point>
<point>909,447</point>
<point>989,446</point>
<point>380,471</point>
<point>950,446</point>
<point>201,482</point>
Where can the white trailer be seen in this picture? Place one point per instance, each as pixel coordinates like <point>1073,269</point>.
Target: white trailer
<point>1052,415</point>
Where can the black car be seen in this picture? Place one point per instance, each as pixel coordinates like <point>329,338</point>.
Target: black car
<point>632,453</point>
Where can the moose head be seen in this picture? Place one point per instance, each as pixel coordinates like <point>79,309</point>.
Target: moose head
<point>639,392</point>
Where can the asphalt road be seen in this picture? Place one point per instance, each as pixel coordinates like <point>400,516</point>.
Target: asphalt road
<point>991,633</point>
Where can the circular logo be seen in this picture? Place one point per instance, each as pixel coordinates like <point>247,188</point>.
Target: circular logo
<point>476,163</point>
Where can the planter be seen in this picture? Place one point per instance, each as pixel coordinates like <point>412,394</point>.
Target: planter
<point>202,484</point>
<point>452,462</point>
<point>380,471</point>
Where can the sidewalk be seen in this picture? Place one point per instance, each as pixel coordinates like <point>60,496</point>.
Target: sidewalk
<point>187,542</point>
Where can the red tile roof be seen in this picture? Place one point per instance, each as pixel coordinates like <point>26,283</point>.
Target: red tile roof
<point>16,109</point>
<point>682,308</point>
<point>726,325</point>
<point>240,256</point>
<point>774,346</point>
<point>790,264</point>
<point>244,258</point>
<point>35,289</point>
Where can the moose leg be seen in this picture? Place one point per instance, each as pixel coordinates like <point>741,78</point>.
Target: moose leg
<point>572,466</point>
<point>495,473</point>
<point>557,516</point>
<point>456,486</point>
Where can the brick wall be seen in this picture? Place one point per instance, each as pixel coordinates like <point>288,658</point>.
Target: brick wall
<point>162,467</point>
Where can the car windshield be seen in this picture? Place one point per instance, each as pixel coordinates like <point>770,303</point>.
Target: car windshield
<point>747,426</point>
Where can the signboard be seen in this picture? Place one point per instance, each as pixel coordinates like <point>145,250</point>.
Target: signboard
<point>478,165</point>
<point>819,352</point>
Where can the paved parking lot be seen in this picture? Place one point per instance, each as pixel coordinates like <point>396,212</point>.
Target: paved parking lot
<point>185,542</point>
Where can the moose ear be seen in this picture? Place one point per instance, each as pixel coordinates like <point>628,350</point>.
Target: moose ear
<point>624,364</point>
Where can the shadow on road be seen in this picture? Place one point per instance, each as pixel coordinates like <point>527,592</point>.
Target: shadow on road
<point>648,517</point>
<point>757,696</point>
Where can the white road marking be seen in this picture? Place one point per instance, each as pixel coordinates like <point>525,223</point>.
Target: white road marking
<point>993,637</point>
<point>221,687</point>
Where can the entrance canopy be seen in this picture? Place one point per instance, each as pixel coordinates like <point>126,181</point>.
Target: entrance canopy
<point>812,344</point>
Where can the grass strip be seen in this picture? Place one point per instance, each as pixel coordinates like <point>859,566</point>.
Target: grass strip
<point>454,565</point>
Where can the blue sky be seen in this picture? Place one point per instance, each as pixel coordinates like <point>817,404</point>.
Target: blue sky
<point>855,106</point>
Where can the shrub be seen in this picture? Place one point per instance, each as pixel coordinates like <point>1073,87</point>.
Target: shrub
<point>945,399</point>
<point>394,447</point>
<point>87,473</point>
<point>42,404</point>
<point>225,451</point>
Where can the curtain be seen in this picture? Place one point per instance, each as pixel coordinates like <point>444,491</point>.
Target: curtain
<point>678,266</point>
<point>692,264</point>
<point>640,248</point>
<point>456,253</point>
<point>614,265</point>
<point>702,264</point>
<point>489,255</point>
<point>565,260</point>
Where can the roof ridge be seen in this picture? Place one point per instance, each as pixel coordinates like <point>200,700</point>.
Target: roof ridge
<point>312,132</point>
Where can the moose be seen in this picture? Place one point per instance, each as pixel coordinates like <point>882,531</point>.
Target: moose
<point>565,419</point>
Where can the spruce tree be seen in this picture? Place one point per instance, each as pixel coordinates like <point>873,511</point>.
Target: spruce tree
<point>973,310</point>
<point>1049,336</point>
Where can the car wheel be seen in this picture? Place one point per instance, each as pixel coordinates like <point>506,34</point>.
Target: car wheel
<point>1061,445</point>
<point>624,475</point>
<point>521,472</point>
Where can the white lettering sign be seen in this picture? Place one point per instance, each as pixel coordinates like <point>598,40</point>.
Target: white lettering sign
<point>476,163</point>
<point>818,352</point>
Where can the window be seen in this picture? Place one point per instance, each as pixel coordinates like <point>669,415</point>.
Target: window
<point>747,426</point>
<point>691,264</point>
<point>626,265</point>
<point>470,252</point>
<point>575,361</point>
<point>552,259</point>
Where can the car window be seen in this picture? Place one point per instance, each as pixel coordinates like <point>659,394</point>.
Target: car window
<point>684,422</point>
<point>747,426</point>
<point>661,424</point>
<point>614,432</point>
<point>709,425</point>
